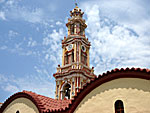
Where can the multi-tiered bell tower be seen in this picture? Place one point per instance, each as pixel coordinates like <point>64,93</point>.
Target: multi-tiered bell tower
<point>75,70</point>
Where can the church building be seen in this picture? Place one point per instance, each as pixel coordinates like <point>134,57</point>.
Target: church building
<point>79,90</point>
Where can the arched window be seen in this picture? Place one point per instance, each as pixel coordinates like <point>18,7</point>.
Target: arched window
<point>66,91</point>
<point>81,30</point>
<point>72,29</point>
<point>17,111</point>
<point>78,28</point>
<point>119,108</point>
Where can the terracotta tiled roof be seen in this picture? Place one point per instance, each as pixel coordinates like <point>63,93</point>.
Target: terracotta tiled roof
<point>43,103</point>
<point>47,105</point>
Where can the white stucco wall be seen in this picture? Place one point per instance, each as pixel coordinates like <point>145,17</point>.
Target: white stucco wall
<point>24,105</point>
<point>135,94</point>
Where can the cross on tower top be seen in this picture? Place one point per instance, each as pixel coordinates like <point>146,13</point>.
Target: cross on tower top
<point>76,3</point>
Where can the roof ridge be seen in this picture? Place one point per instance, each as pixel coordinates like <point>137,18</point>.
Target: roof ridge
<point>47,104</point>
<point>100,76</point>
<point>125,69</point>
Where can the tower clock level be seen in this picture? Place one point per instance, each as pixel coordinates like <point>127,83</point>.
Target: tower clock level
<point>75,71</point>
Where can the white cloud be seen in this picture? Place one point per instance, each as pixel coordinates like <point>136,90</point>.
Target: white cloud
<point>46,56</point>
<point>37,84</point>
<point>10,88</point>
<point>16,12</point>
<point>19,10</point>
<point>46,41</point>
<point>1,1</point>
<point>6,86</point>
<point>57,36</point>
<point>37,28</point>
<point>53,37</point>
<point>10,2</point>
<point>12,33</point>
<point>33,16</point>
<point>3,47</point>
<point>40,84</point>
<point>3,78</point>
<point>18,49</point>
<point>12,9</point>
<point>51,26</point>
<point>132,13</point>
<point>2,15</point>
<point>115,44</point>
<point>58,23</point>
<point>53,50</point>
<point>31,42</point>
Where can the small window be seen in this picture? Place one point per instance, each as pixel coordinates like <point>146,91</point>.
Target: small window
<point>66,58</point>
<point>72,56</point>
<point>119,108</point>
<point>17,111</point>
<point>85,60</point>
<point>78,28</point>
<point>72,29</point>
<point>81,30</point>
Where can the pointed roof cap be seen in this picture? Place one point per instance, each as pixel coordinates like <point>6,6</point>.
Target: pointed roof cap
<point>76,11</point>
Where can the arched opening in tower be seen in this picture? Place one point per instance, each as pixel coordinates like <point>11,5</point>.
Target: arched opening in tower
<point>72,29</point>
<point>66,91</point>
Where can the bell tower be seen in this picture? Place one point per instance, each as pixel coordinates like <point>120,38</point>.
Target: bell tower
<point>75,71</point>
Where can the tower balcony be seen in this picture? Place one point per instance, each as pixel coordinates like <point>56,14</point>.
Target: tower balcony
<point>75,68</point>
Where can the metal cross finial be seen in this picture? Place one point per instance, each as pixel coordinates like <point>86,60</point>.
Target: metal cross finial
<point>76,3</point>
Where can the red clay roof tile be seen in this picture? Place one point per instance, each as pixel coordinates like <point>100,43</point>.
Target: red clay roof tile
<point>49,104</point>
<point>46,104</point>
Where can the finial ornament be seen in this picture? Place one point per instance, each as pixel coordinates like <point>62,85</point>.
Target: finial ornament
<point>76,3</point>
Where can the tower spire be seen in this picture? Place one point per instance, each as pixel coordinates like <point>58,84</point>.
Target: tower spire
<point>76,3</point>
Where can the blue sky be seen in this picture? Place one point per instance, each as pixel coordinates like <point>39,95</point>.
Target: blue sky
<point>31,32</point>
